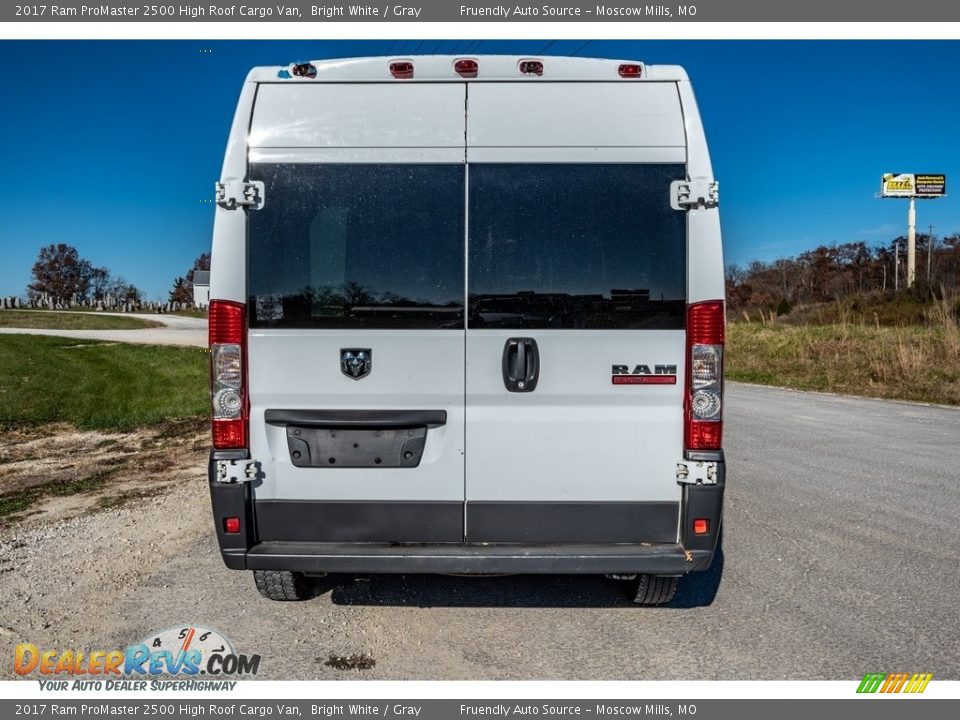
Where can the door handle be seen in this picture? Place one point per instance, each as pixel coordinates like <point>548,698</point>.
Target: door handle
<point>521,364</point>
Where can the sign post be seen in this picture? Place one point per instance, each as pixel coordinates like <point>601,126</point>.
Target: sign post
<point>912,186</point>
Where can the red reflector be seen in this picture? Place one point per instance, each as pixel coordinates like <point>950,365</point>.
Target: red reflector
<point>232,525</point>
<point>466,68</point>
<point>230,433</point>
<point>531,67</point>
<point>644,379</point>
<point>402,70</point>
<point>705,323</point>
<point>226,322</point>
<point>630,70</point>
<point>701,526</point>
<point>705,435</point>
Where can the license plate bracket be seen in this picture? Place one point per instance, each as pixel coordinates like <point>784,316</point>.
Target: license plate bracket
<point>344,447</point>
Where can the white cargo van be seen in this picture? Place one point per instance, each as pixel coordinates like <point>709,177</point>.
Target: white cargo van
<point>467,317</point>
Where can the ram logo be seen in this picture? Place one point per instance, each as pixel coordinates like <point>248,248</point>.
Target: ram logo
<point>643,375</point>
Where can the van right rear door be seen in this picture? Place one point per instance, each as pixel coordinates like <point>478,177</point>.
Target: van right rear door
<point>576,309</point>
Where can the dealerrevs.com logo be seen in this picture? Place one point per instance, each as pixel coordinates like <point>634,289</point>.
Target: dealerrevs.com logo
<point>184,651</point>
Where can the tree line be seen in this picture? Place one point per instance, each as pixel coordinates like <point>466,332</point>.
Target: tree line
<point>61,277</point>
<point>830,272</point>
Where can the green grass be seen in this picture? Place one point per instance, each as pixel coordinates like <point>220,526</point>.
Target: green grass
<point>44,320</point>
<point>20,501</point>
<point>918,363</point>
<point>96,385</point>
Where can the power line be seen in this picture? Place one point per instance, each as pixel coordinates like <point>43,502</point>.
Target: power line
<point>581,47</point>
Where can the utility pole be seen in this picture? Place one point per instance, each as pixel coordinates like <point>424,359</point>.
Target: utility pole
<point>929,252</point>
<point>912,242</point>
<point>896,267</point>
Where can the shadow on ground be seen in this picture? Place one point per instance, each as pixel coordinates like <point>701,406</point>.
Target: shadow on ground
<point>696,590</point>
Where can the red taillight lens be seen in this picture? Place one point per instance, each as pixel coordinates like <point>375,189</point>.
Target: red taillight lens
<point>226,322</point>
<point>231,525</point>
<point>629,70</point>
<point>703,426</point>
<point>701,526</point>
<point>228,374</point>
<point>531,67</point>
<point>402,70</point>
<point>466,68</point>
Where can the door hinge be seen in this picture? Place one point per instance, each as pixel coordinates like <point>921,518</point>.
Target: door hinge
<point>698,472</point>
<point>694,194</point>
<point>233,194</point>
<point>237,471</point>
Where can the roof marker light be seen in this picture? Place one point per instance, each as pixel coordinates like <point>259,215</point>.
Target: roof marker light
<point>630,70</point>
<point>466,67</point>
<point>402,69</point>
<point>305,70</point>
<point>531,67</point>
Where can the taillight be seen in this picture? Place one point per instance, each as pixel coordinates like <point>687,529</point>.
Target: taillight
<point>630,70</point>
<point>402,69</point>
<point>466,68</point>
<point>228,381</point>
<point>704,400</point>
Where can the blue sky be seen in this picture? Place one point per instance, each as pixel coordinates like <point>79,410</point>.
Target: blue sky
<point>114,146</point>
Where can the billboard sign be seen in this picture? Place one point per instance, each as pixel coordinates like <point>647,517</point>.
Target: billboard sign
<point>906,185</point>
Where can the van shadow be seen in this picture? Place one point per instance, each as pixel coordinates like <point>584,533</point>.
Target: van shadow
<point>509,591</point>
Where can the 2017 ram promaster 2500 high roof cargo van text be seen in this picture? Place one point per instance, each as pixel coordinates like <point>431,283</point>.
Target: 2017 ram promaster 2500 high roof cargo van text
<point>467,317</point>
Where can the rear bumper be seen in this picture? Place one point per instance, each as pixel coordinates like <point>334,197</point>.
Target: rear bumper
<point>245,551</point>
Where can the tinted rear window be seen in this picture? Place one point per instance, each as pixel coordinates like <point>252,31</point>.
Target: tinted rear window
<point>576,246</point>
<point>357,246</point>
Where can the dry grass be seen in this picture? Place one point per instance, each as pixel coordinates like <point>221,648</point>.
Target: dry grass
<point>919,363</point>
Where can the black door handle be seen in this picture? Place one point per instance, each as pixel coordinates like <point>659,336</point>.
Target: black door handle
<point>521,364</point>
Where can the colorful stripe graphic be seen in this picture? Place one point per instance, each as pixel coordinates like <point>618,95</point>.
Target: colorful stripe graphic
<point>894,682</point>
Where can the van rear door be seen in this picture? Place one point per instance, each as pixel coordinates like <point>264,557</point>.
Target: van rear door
<point>355,277</point>
<point>575,344</point>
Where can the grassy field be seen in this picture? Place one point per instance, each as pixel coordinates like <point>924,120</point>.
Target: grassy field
<point>47,320</point>
<point>98,385</point>
<point>919,363</point>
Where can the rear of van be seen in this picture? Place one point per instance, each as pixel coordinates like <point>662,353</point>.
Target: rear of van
<point>467,317</point>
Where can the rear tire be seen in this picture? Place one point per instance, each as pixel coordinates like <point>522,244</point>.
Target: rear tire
<point>651,589</point>
<point>282,585</point>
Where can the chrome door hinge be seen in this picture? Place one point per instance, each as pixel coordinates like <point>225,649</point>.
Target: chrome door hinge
<point>698,472</point>
<point>233,194</point>
<point>237,471</point>
<point>694,194</point>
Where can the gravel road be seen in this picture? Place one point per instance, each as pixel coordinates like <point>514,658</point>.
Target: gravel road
<point>177,330</point>
<point>840,548</point>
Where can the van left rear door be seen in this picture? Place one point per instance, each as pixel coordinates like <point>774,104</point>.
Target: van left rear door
<point>355,282</point>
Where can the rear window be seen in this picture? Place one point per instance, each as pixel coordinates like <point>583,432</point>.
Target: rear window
<point>357,246</point>
<point>575,246</point>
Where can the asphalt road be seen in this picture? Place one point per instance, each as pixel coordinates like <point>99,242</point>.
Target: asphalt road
<point>842,534</point>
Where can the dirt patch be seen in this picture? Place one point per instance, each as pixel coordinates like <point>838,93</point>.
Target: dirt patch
<point>55,471</point>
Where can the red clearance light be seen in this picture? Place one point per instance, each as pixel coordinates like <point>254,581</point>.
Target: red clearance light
<point>701,526</point>
<point>629,70</point>
<point>466,68</point>
<point>304,70</point>
<point>231,525</point>
<point>402,70</point>
<point>531,67</point>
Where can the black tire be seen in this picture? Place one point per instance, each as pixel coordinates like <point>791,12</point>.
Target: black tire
<point>651,589</point>
<point>282,585</point>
